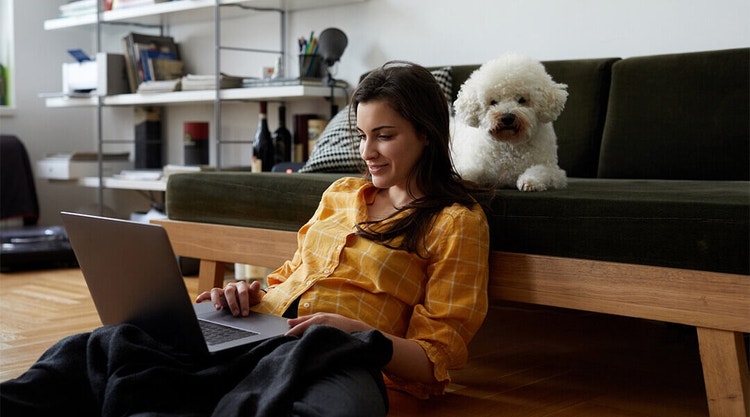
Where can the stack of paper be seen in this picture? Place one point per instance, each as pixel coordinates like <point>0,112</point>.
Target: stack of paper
<point>208,82</point>
<point>78,8</point>
<point>126,4</point>
<point>159,86</point>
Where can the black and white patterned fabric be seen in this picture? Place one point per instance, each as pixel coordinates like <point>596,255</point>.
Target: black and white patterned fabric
<point>337,150</point>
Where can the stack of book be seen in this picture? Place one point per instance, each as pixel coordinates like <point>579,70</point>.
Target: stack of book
<point>150,58</point>
<point>78,8</point>
<point>126,4</point>
<point>83,7</point>
<point>208,82</point>
<point>164,86</point>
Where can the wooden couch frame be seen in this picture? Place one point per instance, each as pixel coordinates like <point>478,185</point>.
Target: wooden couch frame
<point>717,304</point>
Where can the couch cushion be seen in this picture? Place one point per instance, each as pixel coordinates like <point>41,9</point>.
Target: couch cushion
<point>579,128</point>
<point>262,199</point>
<point>679,116</point>
<point>682,224</point>
<point>336,150</point>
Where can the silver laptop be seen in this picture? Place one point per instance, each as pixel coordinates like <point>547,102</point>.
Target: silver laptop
<point>133,277</point>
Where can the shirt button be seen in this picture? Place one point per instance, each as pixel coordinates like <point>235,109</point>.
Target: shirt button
<point>338,247</point>
<point>306,305</point>
<point>309,283</point>
<point>325,271</point>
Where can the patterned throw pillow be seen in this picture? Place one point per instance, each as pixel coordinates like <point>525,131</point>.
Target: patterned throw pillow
<point>338,151</point>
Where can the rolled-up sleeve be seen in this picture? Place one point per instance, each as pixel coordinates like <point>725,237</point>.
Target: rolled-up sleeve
<point>455,302</point>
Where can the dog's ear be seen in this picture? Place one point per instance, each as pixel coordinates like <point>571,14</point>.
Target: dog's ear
<point>467,106</point>
<point>555,98</point>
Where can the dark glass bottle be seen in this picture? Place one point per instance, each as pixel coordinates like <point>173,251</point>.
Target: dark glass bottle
<point>282,138</point>
<point>263,151</point>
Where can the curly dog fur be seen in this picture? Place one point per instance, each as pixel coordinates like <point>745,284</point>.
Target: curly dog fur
<point>503,133</point>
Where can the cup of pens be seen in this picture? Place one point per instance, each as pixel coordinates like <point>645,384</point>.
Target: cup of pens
<point>310,63</point>
<point>310,66</point>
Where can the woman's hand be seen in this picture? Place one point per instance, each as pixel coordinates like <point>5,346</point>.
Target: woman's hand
<point>237,296</point>
<point>301,324</point>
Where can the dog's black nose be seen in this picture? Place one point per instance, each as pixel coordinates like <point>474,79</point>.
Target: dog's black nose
<point>508,119</point>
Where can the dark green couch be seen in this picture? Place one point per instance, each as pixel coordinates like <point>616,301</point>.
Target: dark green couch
<point>657,150</point>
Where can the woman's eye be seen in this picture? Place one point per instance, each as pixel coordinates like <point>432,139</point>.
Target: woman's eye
<point>521,100</point>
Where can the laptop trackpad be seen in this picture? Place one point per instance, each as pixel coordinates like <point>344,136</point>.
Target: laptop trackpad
<point>259,326</point>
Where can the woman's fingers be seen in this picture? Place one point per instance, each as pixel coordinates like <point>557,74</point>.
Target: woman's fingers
<point>237,296</point>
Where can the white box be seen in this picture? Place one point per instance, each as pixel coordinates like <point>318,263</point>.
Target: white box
<point>106,75</point>
<point>79,76</point>
<point>65,167</point>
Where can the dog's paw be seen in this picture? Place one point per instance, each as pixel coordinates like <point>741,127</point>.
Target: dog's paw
<point>541,178</point>
<point>530,184</point>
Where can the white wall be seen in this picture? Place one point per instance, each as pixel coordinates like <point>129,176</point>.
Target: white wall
<point>437,32</point>
<point>38,56</point>
<point>430,32</point>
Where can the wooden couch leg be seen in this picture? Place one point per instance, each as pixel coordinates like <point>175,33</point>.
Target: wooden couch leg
<point>725,372</point>
<point>210,275</point>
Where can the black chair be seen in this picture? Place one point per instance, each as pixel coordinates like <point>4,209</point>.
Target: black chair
<point>17,191</point>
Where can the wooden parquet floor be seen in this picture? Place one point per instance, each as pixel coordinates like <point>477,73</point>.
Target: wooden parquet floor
<point>525,361</point>
<point>38,308</point>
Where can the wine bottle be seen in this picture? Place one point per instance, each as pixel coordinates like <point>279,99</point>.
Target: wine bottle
<point>282,138</point>
<point>263,150</point>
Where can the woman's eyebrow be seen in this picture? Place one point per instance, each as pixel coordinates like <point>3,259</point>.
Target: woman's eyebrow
<point>375,129</point>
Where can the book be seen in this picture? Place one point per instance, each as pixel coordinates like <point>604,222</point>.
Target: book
<point>134,44</point>
<point>166,69</point>
<point>302,136</point>
<point>280,82</point>
<point>147,57</point>
<point>77,8</point>
<point>208,82</point>
<point>90,156</point>
<point>163,86</point>
<point>126,4</point>
<point>315,128</point>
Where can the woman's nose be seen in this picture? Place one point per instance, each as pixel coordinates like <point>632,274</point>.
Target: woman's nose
<point>367,150</point>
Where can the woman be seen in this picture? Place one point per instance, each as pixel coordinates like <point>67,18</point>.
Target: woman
<point>402,253</point>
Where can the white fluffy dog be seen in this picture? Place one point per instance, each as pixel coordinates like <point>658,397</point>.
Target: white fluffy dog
<point>503,134</point>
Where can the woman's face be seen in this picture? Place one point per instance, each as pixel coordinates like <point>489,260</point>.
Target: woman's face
<point>388,143</point>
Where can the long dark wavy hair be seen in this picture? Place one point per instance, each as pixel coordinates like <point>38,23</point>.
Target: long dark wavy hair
<point>414,93</point>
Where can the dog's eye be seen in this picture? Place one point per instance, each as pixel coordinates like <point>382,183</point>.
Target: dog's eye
<point>493,102</point>
<point>521,100</point>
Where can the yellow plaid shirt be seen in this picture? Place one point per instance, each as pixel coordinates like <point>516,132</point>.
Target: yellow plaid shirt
<point>439,301</point>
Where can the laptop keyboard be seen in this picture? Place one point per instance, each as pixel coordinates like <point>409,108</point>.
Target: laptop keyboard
<point>216,334</point>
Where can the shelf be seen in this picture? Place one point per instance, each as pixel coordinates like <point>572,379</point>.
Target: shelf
<point>7,111</point>
<point>122,184</point>
<point>281,93</point>
<point>179,12</point>
<point>184,10</point>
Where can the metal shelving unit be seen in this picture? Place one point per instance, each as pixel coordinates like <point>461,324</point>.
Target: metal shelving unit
<point>180,12</point>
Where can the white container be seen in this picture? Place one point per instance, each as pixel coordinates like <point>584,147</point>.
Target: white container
<point>65,167</point>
